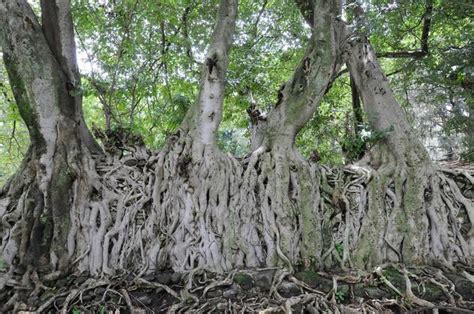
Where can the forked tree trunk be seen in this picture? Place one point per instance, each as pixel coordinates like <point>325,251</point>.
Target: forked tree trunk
<point>37,203</point>
<point>189,206</point>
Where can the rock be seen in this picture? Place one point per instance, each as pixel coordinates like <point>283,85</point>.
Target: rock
<point>244,280</point>
<point>221,306</point>
<point>144,299</point>
<point>214,293</point>
<point>61,282</point>
<point>395,277</point>
<point>150,278</point>
<point>469,194</point>
<point>100,291</point>
<point>130,162</point>
<point>176,278</point>
<point>264,278</point>
<point>432,293</point>
<point>462,286</point>
<point>87,298</point>
<point>314,280</point>
<point>164,278</point>
<point>80,279</point>
<point>288,289</point>
<point>363,291</point>
<point>310,278</point>
<point>231,292</point>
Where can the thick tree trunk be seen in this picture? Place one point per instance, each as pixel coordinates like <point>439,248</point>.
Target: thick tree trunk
<point>421,226</point>
<point>52,177</point>
<point>56,21</point>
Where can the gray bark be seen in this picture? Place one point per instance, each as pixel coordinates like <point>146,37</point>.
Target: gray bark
<point>204,117</point>
<point>299,98</point>
<point>383,111</point>
<point>417,228</point>
<point>57,24</point>
<point>189,206</point>
<point>40,86</point>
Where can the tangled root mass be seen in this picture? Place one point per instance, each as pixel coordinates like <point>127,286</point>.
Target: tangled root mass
<point>150,212</point>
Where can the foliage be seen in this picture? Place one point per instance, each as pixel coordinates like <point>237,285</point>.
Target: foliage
<point>354,145</point>
<point>141,60</point>
<point>340,296</point>
<point>339,247</point>
<point>437,88</point>
<point>13,133</point>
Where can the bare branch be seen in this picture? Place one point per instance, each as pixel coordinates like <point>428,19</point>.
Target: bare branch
<point>424,47</point>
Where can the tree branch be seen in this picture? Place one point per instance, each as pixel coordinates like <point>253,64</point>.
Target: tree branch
<point>424,47</point>
<point>306,8</point>
<point>56,20</point>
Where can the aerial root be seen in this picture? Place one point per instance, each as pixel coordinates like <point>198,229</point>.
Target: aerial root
<point>88,285</point>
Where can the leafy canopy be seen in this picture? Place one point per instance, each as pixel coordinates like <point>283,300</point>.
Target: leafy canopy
<point>140,63</point>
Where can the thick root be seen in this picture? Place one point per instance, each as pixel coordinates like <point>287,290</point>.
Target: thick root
<point>147,212</point>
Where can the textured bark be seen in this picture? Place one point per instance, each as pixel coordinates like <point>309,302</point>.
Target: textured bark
<point>299,97</point>
<point>383,111</point>
<point>56,21</point>
<point>205,116</point>
<point>418,228</point>
<point>52,171</point>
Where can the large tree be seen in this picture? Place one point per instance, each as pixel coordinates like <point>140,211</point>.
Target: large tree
<point>72,208</point>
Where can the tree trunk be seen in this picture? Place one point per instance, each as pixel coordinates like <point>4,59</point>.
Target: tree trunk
<point>58,29</point>
<point>421,226</point>
<point>37,203</point>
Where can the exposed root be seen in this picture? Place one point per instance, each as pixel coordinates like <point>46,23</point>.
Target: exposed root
<point>146,212</point>
<point>88,285</point>
<point>248,291</point>
<point>146,284</point>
